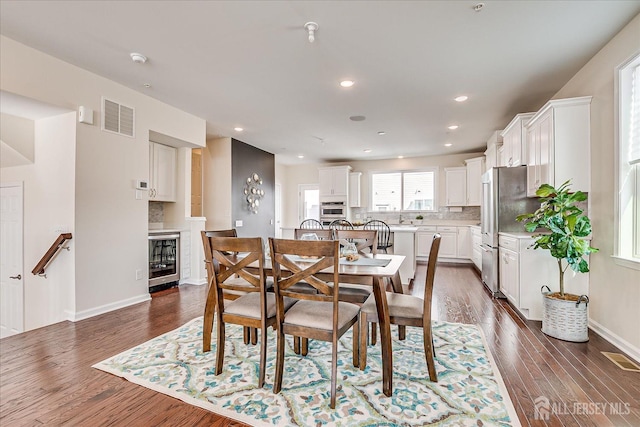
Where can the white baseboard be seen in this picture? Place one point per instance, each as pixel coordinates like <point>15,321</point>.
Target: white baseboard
<point>85,314</point>
<point>628,348</point>
<point>194,282</point>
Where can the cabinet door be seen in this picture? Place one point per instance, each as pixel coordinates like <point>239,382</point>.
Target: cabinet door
<point>325,179</point>
<point>503,155</point>
<point>463,244</point>
<point>533,160</point>
<point>456,186</point>
<point>474,181</point>
<point>340,182</point>
<point>509,276</point>
<point>545,148</point>
<point>448,244</point>
<point>423,243</point>
<point>164,173</point>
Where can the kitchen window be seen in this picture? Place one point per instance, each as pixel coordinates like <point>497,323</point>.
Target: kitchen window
<point>404,191</point>
<point>628,162</point>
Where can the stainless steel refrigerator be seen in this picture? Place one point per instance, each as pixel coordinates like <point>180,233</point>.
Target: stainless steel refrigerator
<point>504,197</point>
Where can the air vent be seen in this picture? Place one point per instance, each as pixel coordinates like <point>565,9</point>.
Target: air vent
<point>622,361</point>
<point>118,118</point>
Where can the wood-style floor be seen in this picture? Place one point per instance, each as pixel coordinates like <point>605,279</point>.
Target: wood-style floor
<point>46,376</point>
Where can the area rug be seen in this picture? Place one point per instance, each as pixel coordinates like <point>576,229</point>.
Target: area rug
<point>469,391</point>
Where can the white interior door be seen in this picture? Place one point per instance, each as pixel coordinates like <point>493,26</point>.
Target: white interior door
<point>11,267</point>
<point>308,202</point>
<point>278,200</point>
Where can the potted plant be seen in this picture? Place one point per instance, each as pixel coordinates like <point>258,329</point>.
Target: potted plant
<point>419,219</point>
<point>563,230</point>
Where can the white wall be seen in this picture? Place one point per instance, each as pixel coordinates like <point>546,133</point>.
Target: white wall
<point>49,193</point>
<point>290,176</point>
<point>110,230</point>
<point>614,289</point>
<point>18,133</point>
<point>216,170</point>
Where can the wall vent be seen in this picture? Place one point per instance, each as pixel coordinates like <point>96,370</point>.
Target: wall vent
<point>118,118</point>
<point>622,361</point>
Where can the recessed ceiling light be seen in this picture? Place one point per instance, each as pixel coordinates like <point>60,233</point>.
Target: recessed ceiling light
<point>300,156</point>
<point>357,118</point>
<point>401,157</point>
<point>138,58</point>
<point>347,83</point>
<point>382,132</point>
<point>461,98</point>
<point>367,150</point>
<point>147,85</point>
<point>238,129</point>
<point>454,127</point>
<point>448,144</point>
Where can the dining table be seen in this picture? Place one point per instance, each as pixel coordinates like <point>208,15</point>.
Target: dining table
<point>372,270</point>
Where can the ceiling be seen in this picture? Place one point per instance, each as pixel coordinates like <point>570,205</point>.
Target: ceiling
<point>249,64</point>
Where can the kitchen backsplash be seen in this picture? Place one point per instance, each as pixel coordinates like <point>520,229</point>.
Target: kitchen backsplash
<point>468,213</point>
<point>156,212</point>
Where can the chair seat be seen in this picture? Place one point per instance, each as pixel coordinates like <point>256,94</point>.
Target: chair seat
<point>248,305</point>
<point>400,305</point>
<point>351,292</point>
<point>319,314</point>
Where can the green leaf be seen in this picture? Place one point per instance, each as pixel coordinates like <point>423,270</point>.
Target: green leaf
<point>545,190</point>
<point>582,227</point>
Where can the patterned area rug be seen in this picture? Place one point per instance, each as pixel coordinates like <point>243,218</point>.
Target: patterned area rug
<point>469,391</point>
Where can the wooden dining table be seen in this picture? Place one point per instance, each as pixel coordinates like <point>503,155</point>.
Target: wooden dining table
<point>373,275</point>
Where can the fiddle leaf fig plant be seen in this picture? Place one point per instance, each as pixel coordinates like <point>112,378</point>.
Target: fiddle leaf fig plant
<point>563,226</point>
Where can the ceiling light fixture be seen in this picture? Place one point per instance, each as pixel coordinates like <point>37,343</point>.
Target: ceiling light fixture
<point>448,144</point>
<point>382,132</point>
<point>461,98</point>
<point>311,28</point>
<point>347,83</point>
<point>478,7</point>
<point>401,157</point>
<point>367,150</point>
<point>147,85</point>
<point>454,127</point>
<point>238,129</point>
<point>300,156</point>
<point>357,118</point>
<point>138,58</point>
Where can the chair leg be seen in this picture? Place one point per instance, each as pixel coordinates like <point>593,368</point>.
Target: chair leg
<point>246,334</point>
<point>220,349</point>
<point>363,325</point>
<point>429,351</point>
<point>207,325</point>
<point>334,371</point>
<point>263,356</point>
<point>305,346</point>
<point>402,332</point>
<point>356,344</point>
<point>277,381</point>
<point>374,335</point>
<point>296,345</point>
<point>254,335</point>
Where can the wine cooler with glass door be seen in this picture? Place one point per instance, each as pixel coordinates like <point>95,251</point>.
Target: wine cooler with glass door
<point>164,261</point>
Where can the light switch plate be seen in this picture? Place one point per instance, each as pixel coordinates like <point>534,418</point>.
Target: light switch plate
<point>238,223</point>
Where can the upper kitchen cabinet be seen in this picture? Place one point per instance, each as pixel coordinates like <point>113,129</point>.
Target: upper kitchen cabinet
<point>456,186</point>
<point>558,138</point>
<point>475,167</point>
<point>162,172</point>
<point>491,155</point>
<point>355,199</point>
<point>334,183</point>
<point>514,140</point>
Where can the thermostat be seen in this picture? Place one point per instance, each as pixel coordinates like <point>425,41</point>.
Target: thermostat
<point>142,185</point>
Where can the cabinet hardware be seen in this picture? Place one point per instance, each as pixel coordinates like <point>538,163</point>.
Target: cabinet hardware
<point>18,277</point>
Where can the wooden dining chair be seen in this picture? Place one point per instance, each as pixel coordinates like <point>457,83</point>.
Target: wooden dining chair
<point>322,233</point>
<point>366,242</point>
<point>407,310</point>
<point>311,223</point>
<point>318,316</point>
<point>384,233</point>
<point>255,309</point>
<point>341,224</point>
<point>250,335</point>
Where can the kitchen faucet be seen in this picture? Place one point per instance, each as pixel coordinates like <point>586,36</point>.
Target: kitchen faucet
<point>400,220</point>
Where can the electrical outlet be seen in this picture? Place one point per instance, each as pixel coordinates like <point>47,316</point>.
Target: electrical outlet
<point>138,274</point>
<point>238,223</point>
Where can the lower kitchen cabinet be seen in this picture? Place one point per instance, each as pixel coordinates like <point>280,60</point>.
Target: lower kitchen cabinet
<point>476,243</point>
<point>448,242</point>
<point>509,275</point>
<point>463,243</point>
<point>424,237</point>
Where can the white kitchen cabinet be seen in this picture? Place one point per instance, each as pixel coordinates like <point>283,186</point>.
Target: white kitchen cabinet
<point>491,155</point>
<point>448,242</point>
<point>162,172</point>
<point>456,186</point>
<point>514,140</point>
<point>424,238</point>
<point>404,244</point>
<point>558,136</point>
<point>334,182</point>
<point>524,270</point>
<point>475,167</point>
<point>355,198</point>
<point>463,243</point>
<point>476,243</point>
<point>502,157</point>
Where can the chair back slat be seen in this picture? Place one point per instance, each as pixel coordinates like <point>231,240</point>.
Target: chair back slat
<point>311,223</point>
<point>322,233</point>
<point>228,264</point>
<point>341,224</point>
<point>431,272</point>
<point>384,232</point>
<point>364,239</point>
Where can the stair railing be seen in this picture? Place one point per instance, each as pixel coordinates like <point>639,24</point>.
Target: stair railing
<point>58,245</point>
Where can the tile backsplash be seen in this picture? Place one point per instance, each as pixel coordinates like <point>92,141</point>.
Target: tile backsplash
<point>468,213</point>
<point>156,212</point>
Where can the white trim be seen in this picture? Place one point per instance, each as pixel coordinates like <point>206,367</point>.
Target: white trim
<point>85,314</point>
<point>625,346</point>
<point>194,282</point>
<point>626,262</point>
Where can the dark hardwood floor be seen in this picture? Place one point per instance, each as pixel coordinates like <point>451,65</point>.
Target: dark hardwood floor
<point>46,376</point>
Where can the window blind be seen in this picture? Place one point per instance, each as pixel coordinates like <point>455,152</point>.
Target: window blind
<point>634,118</point>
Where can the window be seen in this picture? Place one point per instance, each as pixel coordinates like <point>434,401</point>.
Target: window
<point>404,191</point>
<point>628,224</point>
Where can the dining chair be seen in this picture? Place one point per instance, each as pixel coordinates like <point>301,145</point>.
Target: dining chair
<point>407,310</point>
<point>255,309</point>
<point>321,233</point>
<point>311,223</point>
<point>341,224</point>
<point>366,242</point>
<point>384,233</point>
<point>250,335</point>
<point>319,316</point>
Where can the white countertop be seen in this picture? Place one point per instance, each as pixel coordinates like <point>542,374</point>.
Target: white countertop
<point>164,230</point>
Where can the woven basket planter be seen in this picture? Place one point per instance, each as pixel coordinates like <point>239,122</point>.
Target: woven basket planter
<point>566,320</point>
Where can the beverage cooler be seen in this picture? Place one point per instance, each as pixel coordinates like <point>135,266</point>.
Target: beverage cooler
<point>164,260</point>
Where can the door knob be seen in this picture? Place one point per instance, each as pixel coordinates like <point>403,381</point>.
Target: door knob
<point>18,277</point>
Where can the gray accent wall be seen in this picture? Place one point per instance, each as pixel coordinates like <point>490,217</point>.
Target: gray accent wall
<point>245,161</point>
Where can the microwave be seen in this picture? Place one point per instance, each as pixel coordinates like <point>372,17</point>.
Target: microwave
<point>336,210</point>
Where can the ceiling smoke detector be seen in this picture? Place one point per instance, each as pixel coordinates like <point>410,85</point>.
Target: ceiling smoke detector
<point>138,58</point>
<point>311,28</point>
<point>478,7</point>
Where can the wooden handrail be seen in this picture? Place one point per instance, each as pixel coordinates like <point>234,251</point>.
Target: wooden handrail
<point>53,250</point>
